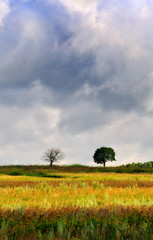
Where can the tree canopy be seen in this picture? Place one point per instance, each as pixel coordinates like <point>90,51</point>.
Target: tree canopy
<point>103,155</point>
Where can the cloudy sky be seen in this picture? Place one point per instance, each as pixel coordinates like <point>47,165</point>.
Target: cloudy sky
<point>78,75</point>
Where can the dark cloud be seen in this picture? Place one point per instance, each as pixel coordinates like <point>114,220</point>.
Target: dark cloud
<point>81,73</point>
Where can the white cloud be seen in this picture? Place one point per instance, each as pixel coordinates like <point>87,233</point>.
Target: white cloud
<point>27,132</point>
<point>82,6</point>
<point>32,29</point>
<point>4,10</point>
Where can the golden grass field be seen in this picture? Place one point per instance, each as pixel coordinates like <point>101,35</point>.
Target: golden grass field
<point>23,199</point>
<point>93,190</point>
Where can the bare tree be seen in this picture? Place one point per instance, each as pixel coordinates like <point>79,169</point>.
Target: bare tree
<point>53,155</point>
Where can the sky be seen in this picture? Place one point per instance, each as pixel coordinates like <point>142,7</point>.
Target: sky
<point>76,75</point>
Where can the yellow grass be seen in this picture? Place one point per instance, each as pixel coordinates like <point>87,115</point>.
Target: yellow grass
<point>89,190</point>
<point>84,176</point>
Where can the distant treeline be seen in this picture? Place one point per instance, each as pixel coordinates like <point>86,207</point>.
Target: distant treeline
<point>141,165</point>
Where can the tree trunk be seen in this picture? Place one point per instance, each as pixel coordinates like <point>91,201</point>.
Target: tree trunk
<point>51,164</point>
<point>104,164</point>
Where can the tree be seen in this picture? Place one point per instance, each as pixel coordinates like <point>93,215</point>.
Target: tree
<point>53,155</point>
<point>103,155</point>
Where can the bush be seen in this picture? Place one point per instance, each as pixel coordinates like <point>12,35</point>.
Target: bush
<point>16,173</point>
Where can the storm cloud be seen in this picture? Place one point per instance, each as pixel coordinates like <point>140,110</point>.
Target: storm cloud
<point>76,75</point>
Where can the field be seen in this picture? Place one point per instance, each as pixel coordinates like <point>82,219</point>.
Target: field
<point>71,203</point>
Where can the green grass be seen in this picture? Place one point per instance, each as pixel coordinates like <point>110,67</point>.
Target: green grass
<point>38,170</point>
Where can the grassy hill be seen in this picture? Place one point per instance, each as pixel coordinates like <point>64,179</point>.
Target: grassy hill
<point>43,170</point>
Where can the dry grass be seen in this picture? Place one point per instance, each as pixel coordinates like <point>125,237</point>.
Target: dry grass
<point>94,190</point>
<point>76,206</point>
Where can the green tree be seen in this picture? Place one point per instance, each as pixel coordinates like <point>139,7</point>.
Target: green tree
<point>103,155</point>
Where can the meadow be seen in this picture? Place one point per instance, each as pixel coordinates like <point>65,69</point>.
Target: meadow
<point>74,203</point>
